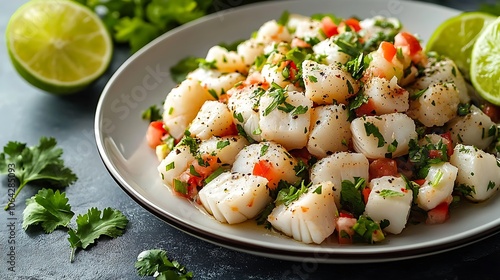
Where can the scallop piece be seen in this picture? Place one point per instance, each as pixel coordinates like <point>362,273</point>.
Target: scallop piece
<point>478,172</point>
<point>279,162</point>
<point>174,164</point>
<point>304,27</point>
<point>234,198</point>
<point>243,104</point>
<point>443,70</point>
<point>386,96</point>
<point>475,128</point>
<point>182,105</point>
<point>436,105</point>
<point>226,61</point>
<point>213,119</point>
<point>310,218</point>
<point>249,50</point>
<point>438,185</point>
<point>272,31</point>
<point>289,127</point>
<point>224,148</point>
<point>215,82</point>
<point>390,200</point>
<point>331,51</point>
<point>381,136</point>
<point>330,130</point>
<point>339,167</point>
<point>328,84</point>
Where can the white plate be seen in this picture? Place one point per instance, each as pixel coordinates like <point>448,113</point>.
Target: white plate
<point>143,80</point>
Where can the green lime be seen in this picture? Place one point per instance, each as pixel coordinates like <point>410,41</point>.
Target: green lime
<point>455,37</point>
<point>59,46</point>
<point>485,63</point>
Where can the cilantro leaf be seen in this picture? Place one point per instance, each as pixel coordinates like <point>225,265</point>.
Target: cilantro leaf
<point>91,226</point>
<point>49,209</point>
<point>156,263</point>
<point>151,114</point>
<point>367,230</point>
<point>288,195</point>
<point>40,164</point>
<point>350,196</point>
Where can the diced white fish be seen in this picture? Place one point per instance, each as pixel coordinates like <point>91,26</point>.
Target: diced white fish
<point>339,167</point>
<point>438,185</point>
<point>272,31</point>
<point>281,163</point>
<point>386,96</point>
<point>249,50</point>
<point>328,84</point>
<point>478,172</point>
<point>224,148</point>
<point>390,200</point>
<point>443,70</point>
<point>310,218</point>
<point>243,105</point>
<point>290,129</point>
<point>226,61</point>
<point>330,130</point>
<point>213,119</point>
<point>331,51</point>
<point>378,136</point>
<point>304,27</point>
<point>215,82</point>
<point>436,106</point>
<point>174,164</point>
<point>234,198</point>
<point>181,106</point>
<point>273,73</point>
<point>475,128</point>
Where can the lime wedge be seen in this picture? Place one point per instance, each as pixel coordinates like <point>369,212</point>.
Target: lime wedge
<point>455,37</point>
<point>485,63</point>
<point>59,46</point>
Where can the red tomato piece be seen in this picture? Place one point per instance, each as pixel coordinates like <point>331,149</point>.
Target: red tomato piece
<point>329,27</point>
<point>155,133</point>
<point>448,142</point>
<point>366,193</point>
<point>405,39</point>
<point>388,50</point>
<point>383,167</point>
<point>344,225</point>
<point>353,24</point>
<point>438,214</point>
<point>265,169</point>
<point>492,111</point>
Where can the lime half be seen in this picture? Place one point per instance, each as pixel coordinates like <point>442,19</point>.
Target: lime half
<point>485,63</point>
<point>59,46</point>
<point>455,37</point>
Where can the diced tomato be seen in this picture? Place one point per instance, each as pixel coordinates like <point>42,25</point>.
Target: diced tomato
<point>265,169</point>
<point>438,214</point>
<point>405,39</point>
<point>155,133</point>
<point>367,109</point>
<point>492,111</point>
<point>344,225</point>
<point>329,27</point>
<point>353,24</point>
<point>383,167</point>
<point>366,193</point>
<point>345,214</point>
<point>435,154</point>
<point>448,142</point>
<point>388,50</point>
<point>420,182</point>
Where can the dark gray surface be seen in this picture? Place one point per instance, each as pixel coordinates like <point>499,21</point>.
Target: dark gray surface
<point>26,114</point>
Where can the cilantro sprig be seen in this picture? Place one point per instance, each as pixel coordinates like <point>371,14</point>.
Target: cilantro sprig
<point>156,263</point>
<point>40,164</point>
<point>93,225</point>
<point>52,210</point>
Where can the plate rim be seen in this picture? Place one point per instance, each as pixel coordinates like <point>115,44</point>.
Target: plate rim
<point>256,249</point>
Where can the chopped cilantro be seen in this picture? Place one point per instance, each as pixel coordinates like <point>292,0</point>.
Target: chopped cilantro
<point>372,129</point>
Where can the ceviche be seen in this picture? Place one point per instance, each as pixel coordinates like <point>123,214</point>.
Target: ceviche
<point>319,126</point>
